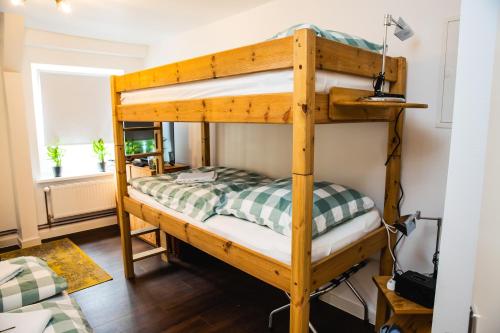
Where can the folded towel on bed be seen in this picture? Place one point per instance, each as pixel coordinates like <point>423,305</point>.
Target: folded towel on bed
<point>32,322</point>
<point>196,177</point>
<point>8,271</point>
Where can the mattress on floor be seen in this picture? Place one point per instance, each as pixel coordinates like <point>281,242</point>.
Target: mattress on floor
<point>276,81</point>
<point>267,242</point>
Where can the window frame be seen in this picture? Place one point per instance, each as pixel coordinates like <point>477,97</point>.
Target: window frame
<point>36,70</point>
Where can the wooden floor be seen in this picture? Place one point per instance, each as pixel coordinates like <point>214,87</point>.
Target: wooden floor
<point>198,294</point>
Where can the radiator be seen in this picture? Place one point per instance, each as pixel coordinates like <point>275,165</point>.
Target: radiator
<point>77,200</point>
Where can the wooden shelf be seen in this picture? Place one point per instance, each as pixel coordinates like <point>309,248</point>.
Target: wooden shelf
<point>381,105</point>
<point>398,304</point>
<point>345,106</point>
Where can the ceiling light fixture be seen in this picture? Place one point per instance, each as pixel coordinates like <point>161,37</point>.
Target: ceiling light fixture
<point>17,2</point>
<point>62,5</point>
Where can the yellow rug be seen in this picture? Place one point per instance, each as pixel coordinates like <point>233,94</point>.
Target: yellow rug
<point>67,260</point>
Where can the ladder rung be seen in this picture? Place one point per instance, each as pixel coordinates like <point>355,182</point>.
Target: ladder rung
<point>148,253</point>
<point>147,230</point>
<point>144,128</point>
<point>153,153</point>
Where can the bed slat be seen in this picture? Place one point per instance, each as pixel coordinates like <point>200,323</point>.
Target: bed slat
<point>264,56</point>
<point>266,108</point>
<point>268,55</point>
<point>341,58</point>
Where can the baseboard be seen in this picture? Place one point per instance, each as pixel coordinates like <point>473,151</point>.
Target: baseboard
<point>28,242</point>
<point>57,231</point>
<point>72,228</point>
<point>9,240</point>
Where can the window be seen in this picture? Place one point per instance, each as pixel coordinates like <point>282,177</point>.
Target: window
<point>72,108</point>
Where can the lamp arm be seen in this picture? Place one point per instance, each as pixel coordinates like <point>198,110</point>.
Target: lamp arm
<point>435,257</point>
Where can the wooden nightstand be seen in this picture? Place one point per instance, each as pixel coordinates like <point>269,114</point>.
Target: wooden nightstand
<point>409,316</point>
<point>136,171</point>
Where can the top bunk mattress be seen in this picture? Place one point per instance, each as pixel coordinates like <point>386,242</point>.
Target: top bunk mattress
<point>268,82</point>
<point>266,241</point>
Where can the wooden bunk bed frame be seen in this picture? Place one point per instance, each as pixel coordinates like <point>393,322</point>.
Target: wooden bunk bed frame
<point>302,108</point>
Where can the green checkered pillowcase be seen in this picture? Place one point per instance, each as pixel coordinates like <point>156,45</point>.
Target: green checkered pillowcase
<point>336,36</point>
<point>271,205</point>
<point>36,282</point>
<point>67,317</point>
<point>198,200</point>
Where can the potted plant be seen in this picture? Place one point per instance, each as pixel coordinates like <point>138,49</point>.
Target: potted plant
<point>131,147</point>
<point>100,151</point>
<point>55,153</point>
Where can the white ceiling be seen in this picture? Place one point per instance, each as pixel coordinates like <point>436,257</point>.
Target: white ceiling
<point>134,21</point>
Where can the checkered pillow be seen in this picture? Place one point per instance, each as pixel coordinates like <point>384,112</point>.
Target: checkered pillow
<point>198,200</point>
<point>271,205</point>
<point>36,282</point>
<point>67,317</point>
<point>336,36</point>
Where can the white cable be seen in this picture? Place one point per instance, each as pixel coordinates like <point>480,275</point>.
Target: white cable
<point>391,229</point>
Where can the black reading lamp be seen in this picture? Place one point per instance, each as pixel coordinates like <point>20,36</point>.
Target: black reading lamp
<point>403,31</point>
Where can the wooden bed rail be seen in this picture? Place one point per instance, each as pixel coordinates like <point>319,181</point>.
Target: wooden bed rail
<point>265,56</point>
<point>265,268</point>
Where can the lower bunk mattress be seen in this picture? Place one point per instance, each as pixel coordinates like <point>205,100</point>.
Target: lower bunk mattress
<point>266,241</point>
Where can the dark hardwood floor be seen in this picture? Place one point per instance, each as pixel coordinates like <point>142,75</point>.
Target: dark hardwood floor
<point>198,294</point>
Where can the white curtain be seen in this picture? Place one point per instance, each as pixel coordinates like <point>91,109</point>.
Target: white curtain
<point>76,108</point>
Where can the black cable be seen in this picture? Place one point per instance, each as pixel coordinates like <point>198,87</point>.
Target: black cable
<point>397,137</point>
<point>401,196</point>
<point>396,263</point>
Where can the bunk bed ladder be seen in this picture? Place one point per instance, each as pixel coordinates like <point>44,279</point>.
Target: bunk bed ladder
<point>159,247</point>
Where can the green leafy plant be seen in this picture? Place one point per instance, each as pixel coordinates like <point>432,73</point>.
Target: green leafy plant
<point>55,153</point>
<point>132,147</point>
<point>150,146</point>
<point>99,149</point>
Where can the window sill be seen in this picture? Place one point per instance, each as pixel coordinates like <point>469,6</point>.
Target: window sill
<point>47,180</point>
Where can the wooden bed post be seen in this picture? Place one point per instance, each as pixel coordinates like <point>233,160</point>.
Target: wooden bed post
<point>392,189</point>
<point>205,144</point>
<point>158,135</point>
<point>304,59</point>
<point>121,185</point>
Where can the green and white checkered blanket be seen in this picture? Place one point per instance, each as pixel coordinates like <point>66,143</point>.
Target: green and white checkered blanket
<point>67,317</point>
<point>271,205</point>
<point>198,200</point>
<point>336,36</point>
<point>36,282</point>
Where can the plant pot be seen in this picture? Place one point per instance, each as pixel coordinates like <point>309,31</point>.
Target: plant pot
<point>101,166</point>
<point>57,171</point>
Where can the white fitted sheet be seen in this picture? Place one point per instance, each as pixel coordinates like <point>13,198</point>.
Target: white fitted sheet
<point>276,81</point>
<point>268,242</point>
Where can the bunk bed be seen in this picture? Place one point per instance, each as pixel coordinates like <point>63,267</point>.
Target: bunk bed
<point>308,57</point>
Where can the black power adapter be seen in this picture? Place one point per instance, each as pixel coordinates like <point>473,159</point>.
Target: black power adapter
<point>416,287</point>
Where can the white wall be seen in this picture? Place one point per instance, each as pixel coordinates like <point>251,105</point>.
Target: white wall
<point>466,174</point>
<point>487,273</point>
<point>51,48</point>
<point>351,154</point>
<point>58,49</point>
<point>8,218</point>
<point>12,99</point>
